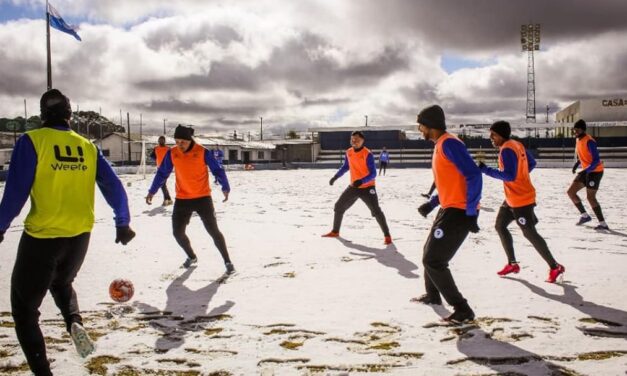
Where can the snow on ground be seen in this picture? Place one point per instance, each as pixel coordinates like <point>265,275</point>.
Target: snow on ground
<point>302,304</point>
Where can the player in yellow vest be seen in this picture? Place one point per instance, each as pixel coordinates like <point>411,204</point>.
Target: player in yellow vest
<point>59,169</point>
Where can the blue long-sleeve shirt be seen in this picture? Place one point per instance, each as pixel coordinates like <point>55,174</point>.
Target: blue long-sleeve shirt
<point>372,169</point>
<point>457,153</point>
<point>594,152</point>
<point>22,175</point>
<point>166,167</point>
<point>510,166</point>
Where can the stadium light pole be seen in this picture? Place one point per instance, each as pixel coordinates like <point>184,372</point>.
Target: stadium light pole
<point>530,42</point>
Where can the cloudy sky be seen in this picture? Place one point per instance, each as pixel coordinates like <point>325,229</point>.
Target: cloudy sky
<point>222,65</point>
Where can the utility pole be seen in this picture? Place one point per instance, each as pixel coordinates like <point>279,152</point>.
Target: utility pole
<point>547,113</point>
<point>164,126</point>
<point>25,123</point>
<point>128,129</point>
<point>261,119</point>
<point>78,121</point>
<point>366,116</point>
<point>140,127</point>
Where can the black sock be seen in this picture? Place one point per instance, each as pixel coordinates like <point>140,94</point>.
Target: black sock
<point>598,213</point>
<point>579,206</point>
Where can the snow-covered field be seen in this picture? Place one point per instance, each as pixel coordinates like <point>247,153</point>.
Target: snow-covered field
<point>302,304</point>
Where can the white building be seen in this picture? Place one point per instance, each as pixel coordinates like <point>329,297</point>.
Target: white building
<point>611,110</point>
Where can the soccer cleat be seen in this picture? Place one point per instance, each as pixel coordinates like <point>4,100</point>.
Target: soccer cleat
<point>461,316</point>
<point>426,299</point>
<point>331,234</point>
<point>167,202</point>
<point>189,262</point>
<point>585,218</point>
<point>84,344</point>
<point>509,268</point>
<point>387,240</point>
<point>230,269</point>
<point>602,226</point>
<point>554,274</point>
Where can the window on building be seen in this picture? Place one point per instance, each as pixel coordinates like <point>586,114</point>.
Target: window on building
<point>261,155</point>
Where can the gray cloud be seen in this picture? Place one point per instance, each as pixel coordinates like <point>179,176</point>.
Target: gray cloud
<point>185,39</point>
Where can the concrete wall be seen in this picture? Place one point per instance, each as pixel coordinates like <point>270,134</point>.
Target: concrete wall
<point>117,149</point>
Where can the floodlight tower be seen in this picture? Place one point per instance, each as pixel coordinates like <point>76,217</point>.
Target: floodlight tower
<point>530,41</point>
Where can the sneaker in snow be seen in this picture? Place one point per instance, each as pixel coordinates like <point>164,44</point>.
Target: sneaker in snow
<point>331,234</point>
<point>189,262</point>
<point>230,269</point>
<point>555,273</point>
<point>387,240</point>
<point>509,268</point>
<point>602,226</point>
<point>461,316</point>
<point>84,344</point>
<point>426,299</point>
<point>584,219</point>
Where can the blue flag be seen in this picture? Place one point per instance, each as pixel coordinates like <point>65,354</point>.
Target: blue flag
<point>57,22</point>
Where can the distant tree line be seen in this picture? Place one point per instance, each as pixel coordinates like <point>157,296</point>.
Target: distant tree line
<point>88,123</point>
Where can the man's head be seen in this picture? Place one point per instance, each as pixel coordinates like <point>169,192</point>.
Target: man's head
<point>161,140</point>
<point>579,127</point>
<point>500,132</point>
<point>55,108</point>
<point>384,149</point>
<point>183,137</point>
<point>357,139</point>
<point>431,122</point>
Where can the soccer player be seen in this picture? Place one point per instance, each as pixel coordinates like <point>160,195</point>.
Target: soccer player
<point>59,169</point>
<point>360,162</point>
<point>384,159</point>
<point>589,177</point>
<point>458,182</point>
<point>515,164</point>
<point>189,161</point>
<point>157,154</point>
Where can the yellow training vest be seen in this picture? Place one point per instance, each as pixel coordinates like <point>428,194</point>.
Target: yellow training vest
<point>62,196</point>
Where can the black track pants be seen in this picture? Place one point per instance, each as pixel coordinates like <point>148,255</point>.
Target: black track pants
<point>182,212</point>
<point>42,265</point>
<point>525,219</point>
<point>369,197</point>
<point>447,234</point>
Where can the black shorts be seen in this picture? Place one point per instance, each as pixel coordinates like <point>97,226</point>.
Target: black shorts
<point>591,180</point>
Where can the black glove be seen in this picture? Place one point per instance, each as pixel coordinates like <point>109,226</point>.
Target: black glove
<point>575,168</point>
<point>333,179</point>
<point>425,209</point>
<point>473,226</point>
<point>357,183</point>
<point>124,234</point>
<point>1,236</point>
<point>482,165</point>
<point>426,195</point>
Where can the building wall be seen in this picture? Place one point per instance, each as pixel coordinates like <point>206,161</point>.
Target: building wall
<point>117,149</point>
<point>598,109</point>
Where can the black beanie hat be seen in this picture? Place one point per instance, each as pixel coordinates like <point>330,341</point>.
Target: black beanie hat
<point>359,133</point>
<point>54,107</point>
<point>184,133</point>
<point>581,124</point>
<point>432,117</point>
<point>502,128</point>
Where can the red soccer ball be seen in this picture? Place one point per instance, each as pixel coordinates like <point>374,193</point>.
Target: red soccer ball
<point>121,290</point>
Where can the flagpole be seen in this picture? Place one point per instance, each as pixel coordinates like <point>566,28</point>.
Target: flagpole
<point>49,65</point>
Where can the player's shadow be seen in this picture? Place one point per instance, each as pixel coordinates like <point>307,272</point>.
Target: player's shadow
<point>386,256</point>
<point>610,317</point>
<point>613,232</point>
<point>503,357</point>
<point>155,211</point>
<point>185,311</point>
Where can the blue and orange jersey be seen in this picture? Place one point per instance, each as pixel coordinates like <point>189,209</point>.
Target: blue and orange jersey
<point>190,169</point>
<point>159,153</point>
<point>587,153</point>
<point>361,165</point>
<point>515,163</point>
<point>457,177</point>
<point>50,215</point>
